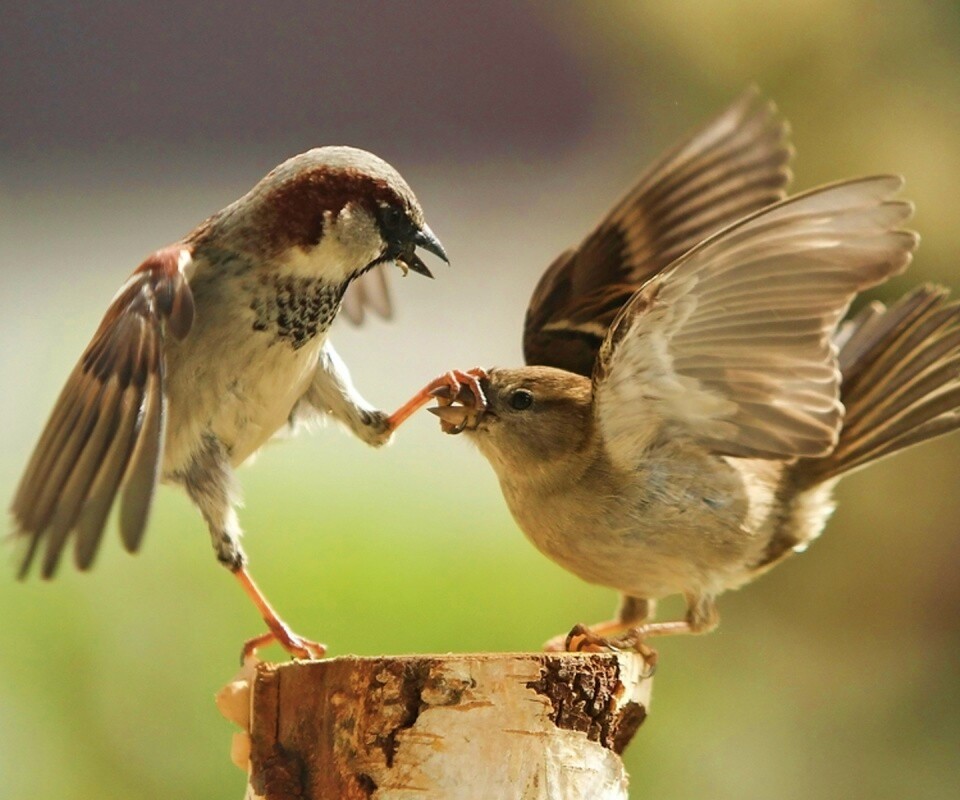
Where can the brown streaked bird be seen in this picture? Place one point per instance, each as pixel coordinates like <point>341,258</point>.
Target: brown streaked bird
<point>213,345</point>
<point>691,397</point>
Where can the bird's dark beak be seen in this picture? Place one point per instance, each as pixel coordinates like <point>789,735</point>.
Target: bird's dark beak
<point>426,239</point>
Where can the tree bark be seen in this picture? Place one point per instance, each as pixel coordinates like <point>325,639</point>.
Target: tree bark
<point>535,726</point>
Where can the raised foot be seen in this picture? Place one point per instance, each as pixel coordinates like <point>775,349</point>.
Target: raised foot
<point>449,385</point>
<point>446,386</point>
<point>463,388</point>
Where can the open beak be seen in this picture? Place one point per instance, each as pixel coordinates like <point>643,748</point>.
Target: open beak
<point>426,239</point>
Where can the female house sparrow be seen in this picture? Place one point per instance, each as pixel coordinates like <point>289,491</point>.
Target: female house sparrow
<point>685,416</point>
<point>214,344</point>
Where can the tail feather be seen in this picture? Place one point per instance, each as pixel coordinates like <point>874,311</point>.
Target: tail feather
<point>901,381</point>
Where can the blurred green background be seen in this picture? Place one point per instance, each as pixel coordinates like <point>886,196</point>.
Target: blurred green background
<point>124,124</point>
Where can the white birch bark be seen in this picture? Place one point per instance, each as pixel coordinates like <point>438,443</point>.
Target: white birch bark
<point>531,726</point>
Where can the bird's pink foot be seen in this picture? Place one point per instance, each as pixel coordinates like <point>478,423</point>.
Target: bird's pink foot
<point>296,645</point>
<point>581,639</point>
<point>279,631</point>
<point>444,387</point>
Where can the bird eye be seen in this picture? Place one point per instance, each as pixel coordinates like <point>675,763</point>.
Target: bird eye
<point>391,218</point>
<point>521,399</point>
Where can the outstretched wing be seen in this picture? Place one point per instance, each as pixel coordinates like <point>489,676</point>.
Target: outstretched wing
<point>734,165</point>
<point>732,346</point>
<point>105,435</point>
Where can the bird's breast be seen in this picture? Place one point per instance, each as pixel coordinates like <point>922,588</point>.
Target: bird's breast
<point>292,309</point>
<point>249,358</point>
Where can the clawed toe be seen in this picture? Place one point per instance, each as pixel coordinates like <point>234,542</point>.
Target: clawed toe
<point>296,645</point>
<point>581,639</point>
<point>308,649</point>
<point>633,641</point>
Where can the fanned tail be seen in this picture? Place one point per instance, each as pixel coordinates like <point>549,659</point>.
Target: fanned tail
<point>901,382</point>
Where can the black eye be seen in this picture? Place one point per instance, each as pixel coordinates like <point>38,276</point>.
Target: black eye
<point>521,399</point>
<point>391,218</point>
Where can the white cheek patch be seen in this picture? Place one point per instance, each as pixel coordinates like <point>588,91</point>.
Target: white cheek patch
<point>351,240</point>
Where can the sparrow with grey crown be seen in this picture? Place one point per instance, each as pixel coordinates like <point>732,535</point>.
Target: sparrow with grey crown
<point>691,396</point>
<point>213,345</point>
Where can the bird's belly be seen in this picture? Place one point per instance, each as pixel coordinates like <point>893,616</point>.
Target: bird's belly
<point>645,549</point>
<point>603,551</point>
<point>241,398</point>
<point>260,403</point>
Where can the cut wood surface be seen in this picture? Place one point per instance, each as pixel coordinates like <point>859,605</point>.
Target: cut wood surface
<point>536,726</point>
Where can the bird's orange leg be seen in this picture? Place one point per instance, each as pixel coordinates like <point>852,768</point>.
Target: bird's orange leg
<point>631,613</point>
<point>583,638</point>
<point>629,629</point>
<point>448,384</point>
<point>615,635</point>
<point>280,632</point>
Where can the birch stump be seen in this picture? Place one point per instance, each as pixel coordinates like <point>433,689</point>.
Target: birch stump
<point>535,726</point>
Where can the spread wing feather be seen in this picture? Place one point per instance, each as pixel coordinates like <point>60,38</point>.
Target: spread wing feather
<point>105,434</point>
<point>901,381</point>
<point>732,345</point>
<point>735,164</point>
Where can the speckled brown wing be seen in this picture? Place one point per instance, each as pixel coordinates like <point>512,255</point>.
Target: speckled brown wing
<point>105,435</point>
<point>732,347</point>
<point>734,165</point>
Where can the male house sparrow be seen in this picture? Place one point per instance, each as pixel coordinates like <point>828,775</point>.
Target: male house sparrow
<point>690,400</point>
<point>214,344</point>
